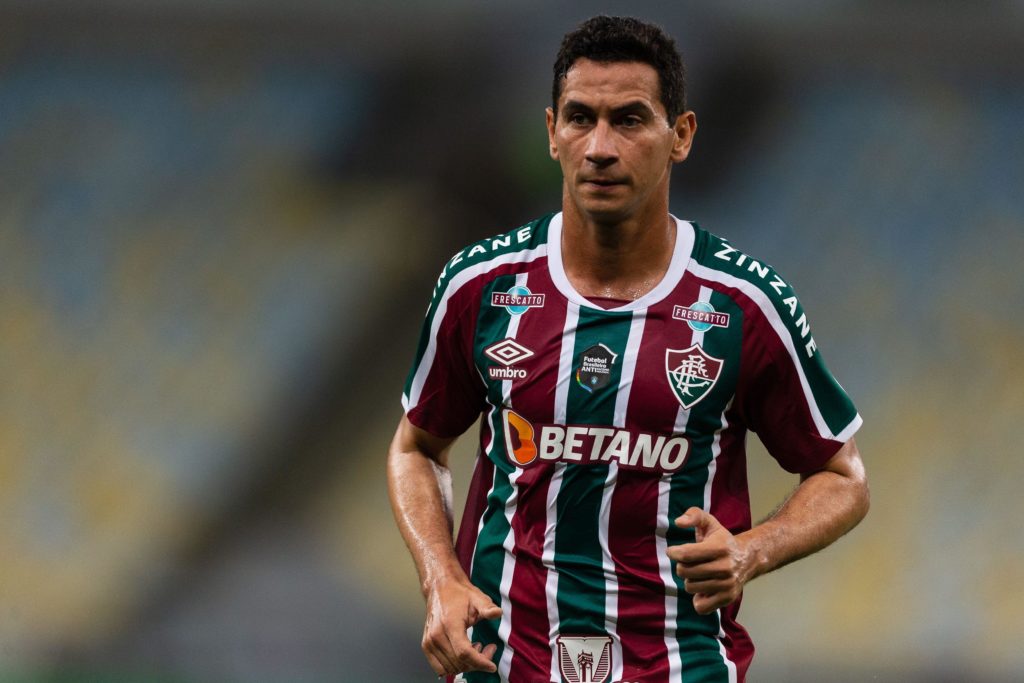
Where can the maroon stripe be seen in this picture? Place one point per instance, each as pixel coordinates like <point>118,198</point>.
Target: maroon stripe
<point>531,660</point>
<point>730,497</point>
<point>476,503</point>
<point>738,645</point>
<point>641,601</point>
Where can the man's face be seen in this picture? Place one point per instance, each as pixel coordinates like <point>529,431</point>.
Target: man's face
<point>613,139</point>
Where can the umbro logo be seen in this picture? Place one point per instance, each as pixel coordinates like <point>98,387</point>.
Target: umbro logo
<point>508,352</point>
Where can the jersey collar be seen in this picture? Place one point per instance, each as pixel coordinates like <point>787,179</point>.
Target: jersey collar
<point>676,268</point>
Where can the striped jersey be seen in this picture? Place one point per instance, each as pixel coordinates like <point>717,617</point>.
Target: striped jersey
<point>598,427</point>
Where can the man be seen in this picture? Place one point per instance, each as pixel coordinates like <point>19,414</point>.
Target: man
<point>615,357</point>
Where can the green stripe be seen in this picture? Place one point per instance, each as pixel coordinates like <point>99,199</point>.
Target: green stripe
<point>578,557</point>
<point>489,554</point>
<point>489,563</point>
<point>697,634</point>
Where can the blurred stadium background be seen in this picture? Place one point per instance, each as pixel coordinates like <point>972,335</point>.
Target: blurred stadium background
<point>220,221</point>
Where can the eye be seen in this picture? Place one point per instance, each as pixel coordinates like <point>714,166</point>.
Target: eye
<point>578,119</point>
<point>631,121</point>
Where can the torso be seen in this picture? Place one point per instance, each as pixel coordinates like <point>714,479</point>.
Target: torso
<point>599,426</point>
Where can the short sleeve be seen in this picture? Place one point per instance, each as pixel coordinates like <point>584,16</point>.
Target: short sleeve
<point>789,397</point>
<point>444,393</point>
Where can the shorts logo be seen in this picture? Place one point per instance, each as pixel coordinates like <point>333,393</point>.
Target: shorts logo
<point>585,659</point>
<point>691,374</point>
<point>700,316</point>
<point>508,352</point>
<point>517,300</point>
<point>595,368</point>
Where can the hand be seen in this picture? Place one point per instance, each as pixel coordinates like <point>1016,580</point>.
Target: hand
<point>452,607</point>
<point>715,567</point>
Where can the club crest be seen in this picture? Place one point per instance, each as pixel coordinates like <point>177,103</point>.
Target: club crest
<point>691,374</point>
<point>585,659</point>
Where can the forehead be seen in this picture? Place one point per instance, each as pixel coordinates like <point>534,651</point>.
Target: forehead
<point>611,83</point>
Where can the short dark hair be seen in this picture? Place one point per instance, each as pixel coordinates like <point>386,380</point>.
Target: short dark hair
<point>625,39</point>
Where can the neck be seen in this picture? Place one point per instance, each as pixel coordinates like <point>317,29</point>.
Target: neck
<point>617,260</point>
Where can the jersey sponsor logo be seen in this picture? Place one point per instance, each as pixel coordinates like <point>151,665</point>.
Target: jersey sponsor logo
<point>519,441</point>
<point>508,352</point>
<point>517,300</point>
<point>691,374</point>
<point>595,367</point>
<point>585,659</point>
<point>526,442</point>
<point>700,316</point>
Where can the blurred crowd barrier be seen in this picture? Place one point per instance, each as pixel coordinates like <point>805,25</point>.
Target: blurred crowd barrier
<point>219,230</point>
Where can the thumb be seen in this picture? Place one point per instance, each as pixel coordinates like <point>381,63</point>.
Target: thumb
<point>485,608</point>
<point>703,523</point>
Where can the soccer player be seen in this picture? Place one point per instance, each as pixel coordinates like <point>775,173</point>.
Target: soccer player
<point>615,357</point>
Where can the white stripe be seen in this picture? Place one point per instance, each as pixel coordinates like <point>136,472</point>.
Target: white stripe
<point>611,580</point>
<point>487,449</point>
<point>685,236</point>
<point>507,571</point>
<point>772,316</point>
<point>454,285</point>
<point>572,316</point>
<point>636,331</point>
<point>704,297</point>
<point>513,330</point>
<point>716,450</point>
<point>683,415</point>
<point>548,560</point>
<point>682,418</point>
<point>665,569</point>
<point>730,667</point>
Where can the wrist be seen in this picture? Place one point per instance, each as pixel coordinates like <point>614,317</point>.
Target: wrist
<point>756,555</point>
<point>440,573</point>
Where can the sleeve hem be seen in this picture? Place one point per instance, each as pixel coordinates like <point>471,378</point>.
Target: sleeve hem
<point>850,430</point>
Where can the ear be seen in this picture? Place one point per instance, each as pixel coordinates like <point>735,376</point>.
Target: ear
<point>684,128</point>
<point>549,115</point>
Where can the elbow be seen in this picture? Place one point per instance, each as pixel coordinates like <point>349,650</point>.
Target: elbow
<point>863,499</point>
<point>860,492</point>
<point>858,480</point>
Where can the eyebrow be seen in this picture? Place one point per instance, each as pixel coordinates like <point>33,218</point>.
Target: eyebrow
<point>634,107</point>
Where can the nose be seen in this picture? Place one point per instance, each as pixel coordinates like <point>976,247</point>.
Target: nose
<point>601,149</point>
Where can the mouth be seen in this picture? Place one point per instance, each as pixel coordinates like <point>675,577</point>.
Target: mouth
<point>603,182</point>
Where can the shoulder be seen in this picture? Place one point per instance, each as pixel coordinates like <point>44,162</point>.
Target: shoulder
<point>473,263</point>
<point>717,260</point>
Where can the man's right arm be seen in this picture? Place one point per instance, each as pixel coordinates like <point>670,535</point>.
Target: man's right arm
<point>419,484</point>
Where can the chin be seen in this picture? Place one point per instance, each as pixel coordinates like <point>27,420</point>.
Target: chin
<point>604,213</point>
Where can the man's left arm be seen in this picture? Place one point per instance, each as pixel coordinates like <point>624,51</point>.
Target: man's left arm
<point>826,504</point>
